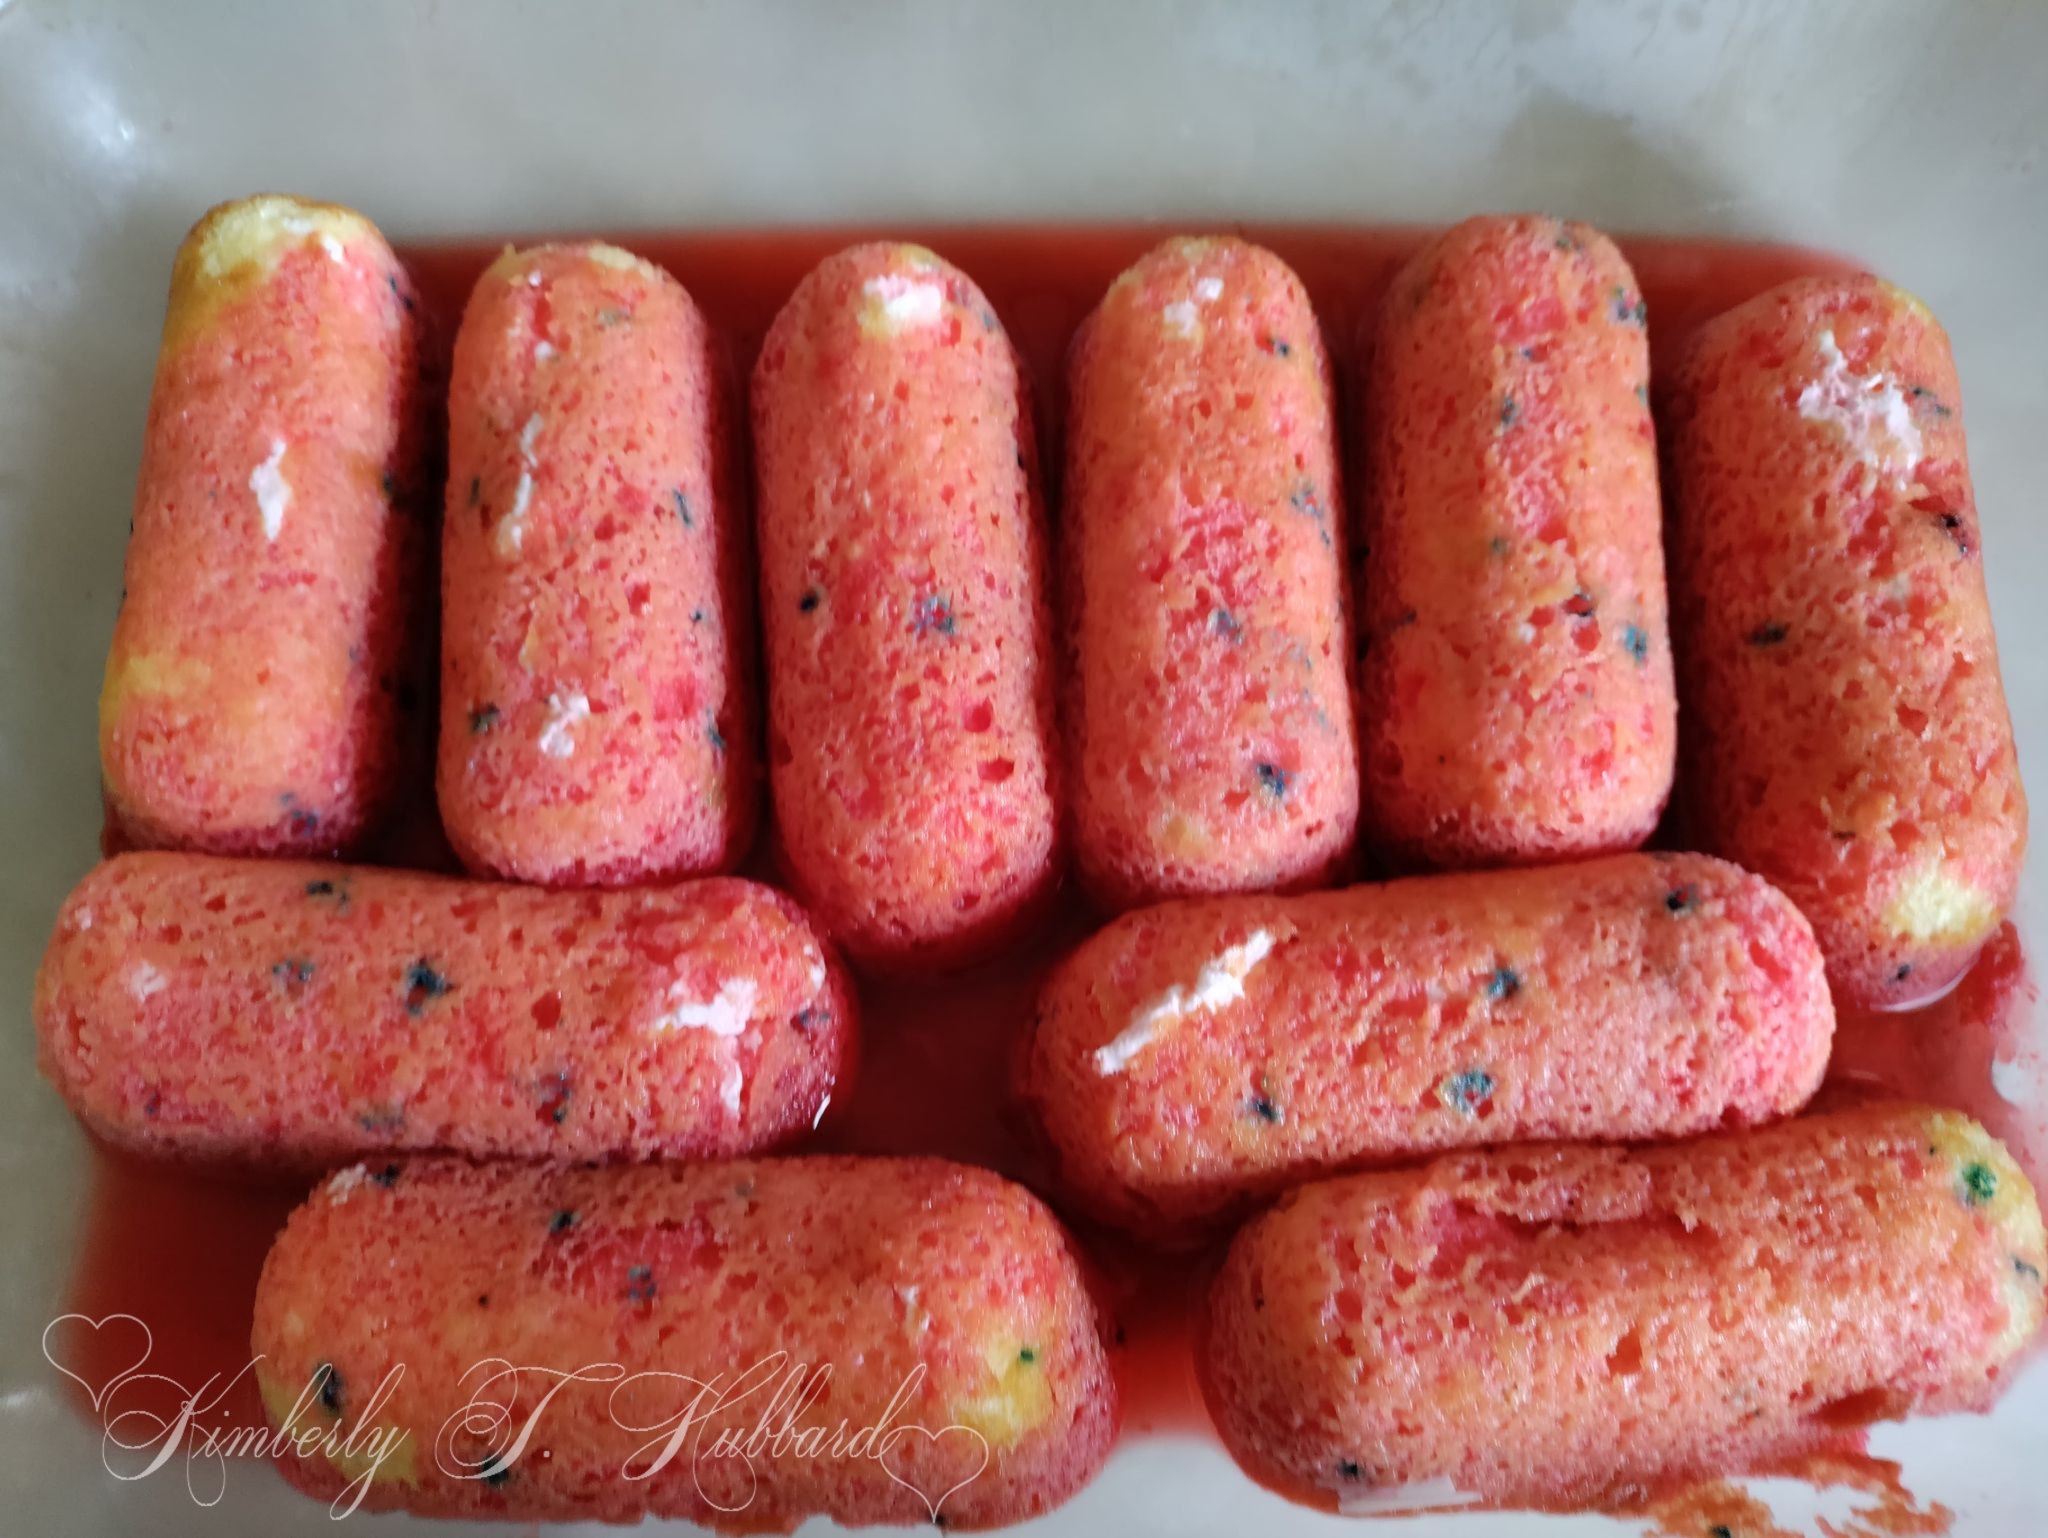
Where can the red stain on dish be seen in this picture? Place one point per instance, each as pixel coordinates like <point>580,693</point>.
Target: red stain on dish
<point>1716,1506</point>
<point>1154,1301</point>
<point>179,1256</point>
<point>1980,1049</point>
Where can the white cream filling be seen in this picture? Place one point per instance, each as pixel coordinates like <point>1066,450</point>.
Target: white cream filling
<point>732,1079</point>
<point>564,712</point>
<point>724,1014</point>
<point>1220,982</point>
<point>1870,412</point>
<point>906,301</point>
<point>297,225</point>
<point>512,527</point>
<point>344,1183</point>
<point>273,492</point>
<point>1183,317</point>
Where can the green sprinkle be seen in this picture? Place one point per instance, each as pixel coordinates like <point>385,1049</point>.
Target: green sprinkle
<point>1509,411</point>
<point>1922,396</point>
<point>1467,1092</point>
<point>1505,983</point>
<point>1980,1183</point>
<point>1498,545</point>
<point>1263,1108</point>
<point>1304,500</point>
<point>1720,1530</point>
<point>1273,780</point>
<point>386,1177</point>
<point>1635,641</point>
<point>681,499</point>
<point>553,1092</point>
<point>338,890</point>
<point>1275,345</point>
<point>380,1119</point>
<point>494,1471</point>
<point>1680,899</point>
<point>1027,1356</point>
<point>423,985</point>
<point>293,971</point>
<point>2026,1271</point>
<point>715,736</point>
<point>390,487</point>
<point>810,601</point>
<point>1642,395</point>
<point>1630,311</point>
<point>1348,1468</point>
<point>609,317</point>
<point>482,719</point>
<point>476,490</point>
<point>329,1381</point>
<point>934,615</point>
<point>1224,623</point>
<point>640,1284</point>
<point>1770,634</point>
<point>562,1221</point>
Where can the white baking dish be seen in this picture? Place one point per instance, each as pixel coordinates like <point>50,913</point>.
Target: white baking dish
<point>1913,136</point>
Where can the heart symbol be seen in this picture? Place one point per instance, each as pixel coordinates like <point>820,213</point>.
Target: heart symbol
<point>931,1505</point>
<point>96,1395</point>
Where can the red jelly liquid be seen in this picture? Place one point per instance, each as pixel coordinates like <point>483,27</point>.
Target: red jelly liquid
<point>183,1252</point>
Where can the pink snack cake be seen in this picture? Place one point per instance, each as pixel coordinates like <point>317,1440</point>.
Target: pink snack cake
<point>261,1012</point>
<point>596,716</point>
<point>1543,1326</point>
<point>1515,699</point>
<point>1208,713</point>
<point>1193,1058</point>
<point>1846,727</point>
<point>255,684</point>
<point>920,1331</point>
<point>910,683</point>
